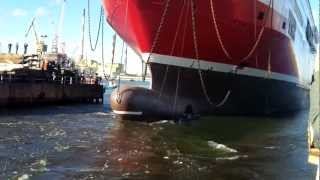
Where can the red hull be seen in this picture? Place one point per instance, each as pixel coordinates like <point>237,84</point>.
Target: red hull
<point>267,81</point>
<point>237,21</point>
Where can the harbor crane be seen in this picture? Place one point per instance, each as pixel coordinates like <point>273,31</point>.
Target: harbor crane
<point>55,42</point>
<point>41,47</point>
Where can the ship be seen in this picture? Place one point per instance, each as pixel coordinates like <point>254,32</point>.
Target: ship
<point>43,78</point>
<point>243,57</point>
<point>36,80</point>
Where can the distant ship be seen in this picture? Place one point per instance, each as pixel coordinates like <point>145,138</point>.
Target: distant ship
<point>217,57</point>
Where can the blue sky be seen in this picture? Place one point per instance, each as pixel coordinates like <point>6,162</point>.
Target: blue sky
<point>16,15</point>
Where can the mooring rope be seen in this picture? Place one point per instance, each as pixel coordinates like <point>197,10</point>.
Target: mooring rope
<point>257,42</point>
<point>106,76</point>
<point>156,38</point>
<point>176,93</point>
<point>119,96</point>
<point>203,85</point>
<point>195,41</point>
<point>164,80</point>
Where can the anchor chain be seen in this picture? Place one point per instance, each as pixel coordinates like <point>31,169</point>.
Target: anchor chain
<point>94,47</point>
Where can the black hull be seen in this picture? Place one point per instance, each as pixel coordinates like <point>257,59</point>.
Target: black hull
<point>44,93</point>
<point>229,93</point>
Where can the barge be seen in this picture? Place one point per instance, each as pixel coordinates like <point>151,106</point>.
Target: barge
<point>37,81</point>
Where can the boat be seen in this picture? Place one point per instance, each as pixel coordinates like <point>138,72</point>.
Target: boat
<point>37,80</point>
<point>244,57</point>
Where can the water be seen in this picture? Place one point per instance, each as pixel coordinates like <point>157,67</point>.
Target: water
<point>88,142</point>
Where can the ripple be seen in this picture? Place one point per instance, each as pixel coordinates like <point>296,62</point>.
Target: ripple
<point>39,166</point>
<point>221,147</point>
<point>24,177</point>
<point>232,158</point>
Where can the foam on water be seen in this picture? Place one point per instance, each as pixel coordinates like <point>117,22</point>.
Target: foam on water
<point>221,147</point>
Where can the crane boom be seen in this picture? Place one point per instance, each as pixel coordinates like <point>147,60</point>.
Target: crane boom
<point>55,42</point>
<point>34,30</point>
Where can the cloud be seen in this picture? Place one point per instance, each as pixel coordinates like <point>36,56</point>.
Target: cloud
<point>41,11</point>
<point>19,12</point>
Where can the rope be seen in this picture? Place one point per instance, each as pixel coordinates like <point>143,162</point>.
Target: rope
<point>254,47</point>
<point>225,99</point>
<point>172,48</point>
<point>218,31</point>
<point>107,77</point>
<point>195,41</point>
<point>94,47</point>
<point>163,17</point>
<point>185,29</point>
<point>176,93</point>
<point>126,60</point>
<point>164,81</point>
<point>255,29</point>
<point>269,64</point>
<point>119,96</point>
<point>178,28</point>
<point>113,52</point>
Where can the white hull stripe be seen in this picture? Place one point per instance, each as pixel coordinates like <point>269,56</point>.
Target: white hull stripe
<point>220,67</point>
<point>128,113</point>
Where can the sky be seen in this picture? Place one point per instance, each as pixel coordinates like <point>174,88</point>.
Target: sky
<point>16,16</point>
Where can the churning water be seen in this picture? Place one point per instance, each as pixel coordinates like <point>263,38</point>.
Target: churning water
<point>88,142</point>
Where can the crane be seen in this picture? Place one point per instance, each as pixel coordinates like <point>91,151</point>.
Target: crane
<point>34,30</point>
<point>41,47</point>
<point>55,42</point>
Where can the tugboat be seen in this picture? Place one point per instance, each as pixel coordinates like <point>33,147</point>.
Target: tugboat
<point>244,57</point>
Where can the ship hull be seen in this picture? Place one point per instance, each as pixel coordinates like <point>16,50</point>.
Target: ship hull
<point>228,93</point>
<point>29,94</point>
<point>178,93</point>
<point>233,57</point>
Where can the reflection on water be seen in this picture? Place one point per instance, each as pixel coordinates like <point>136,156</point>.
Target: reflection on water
<point>88,142</point>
